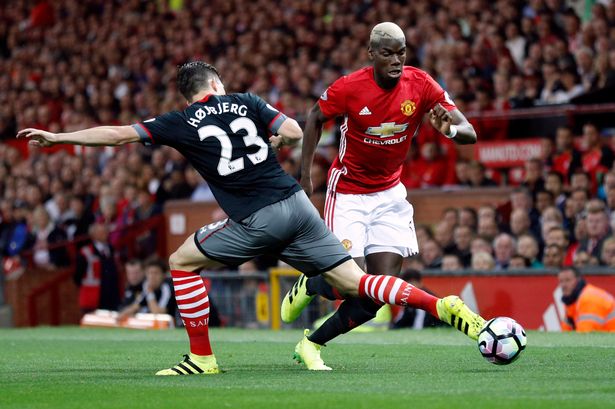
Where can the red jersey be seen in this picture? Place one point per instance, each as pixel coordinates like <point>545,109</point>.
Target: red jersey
<point>378,126</point>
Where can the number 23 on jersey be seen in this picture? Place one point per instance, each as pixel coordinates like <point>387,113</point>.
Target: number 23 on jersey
<point>226,164</point>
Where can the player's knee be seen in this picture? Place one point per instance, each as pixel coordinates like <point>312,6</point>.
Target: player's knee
<point>345,278</point>
<point>175,261</point>
<point>346,288</point>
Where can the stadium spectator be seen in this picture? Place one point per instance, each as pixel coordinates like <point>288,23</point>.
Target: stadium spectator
<point>156,296</point>
<point>547,150</point>
<point>544,199</point>
<point>608,183</point>
<point>58,208</point>
<point>451,262</point>
<point>481,244</point>
<point>567,158</point>
<point>559,236</point>
<point>468,217</point>
<point>527,247</point>
<point>517,261</point>
<point>584,58</point>
<point>580,181</point>
<point>598,229</point>
<point>450,216</point>
<point>610,205</point>
<point>146,206</point>
<point>463,236</point>
<point>521,96</point>
<point>46,239</point>
<point>573,211</point>
<point>554,184</point>
<point>96,272</point>
<point>519,223</point>
<point>79,220</point>
<point>431,254</point>
<point>487,211</point>
<point>201,192</point>
<point>488,228</point>
<point>521,199</point>
<point>462,172</point>
<point>553,256</point>
<point>597,159</point>
<point>588,308</point>
<point>135,277</point>
<point>443,235</point>
<point>318,173</point>
<point>477,177</point>
<point>572,87</point>
<point>552,90</point>
<point>504,248</point>
<point>13,228</point>
<point>607,256</point>
<point>584,259</point>
<point>482,261</point>
<point>552,214</point>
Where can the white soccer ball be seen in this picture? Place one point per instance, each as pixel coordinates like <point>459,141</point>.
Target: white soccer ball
<point>502,340</point>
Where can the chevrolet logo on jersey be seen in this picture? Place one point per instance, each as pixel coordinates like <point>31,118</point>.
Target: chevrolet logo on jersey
<point>386,129</point>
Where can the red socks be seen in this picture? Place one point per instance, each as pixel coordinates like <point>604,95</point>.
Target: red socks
<point>393,290</point>
<point>193,304</point>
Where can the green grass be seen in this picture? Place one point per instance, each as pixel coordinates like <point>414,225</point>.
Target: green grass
<point>99,368</point>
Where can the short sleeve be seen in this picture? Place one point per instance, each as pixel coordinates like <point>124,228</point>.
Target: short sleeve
<point>160,130</point>
<point>436,95</point>
<point>333,101</point>
<point>268,114</point>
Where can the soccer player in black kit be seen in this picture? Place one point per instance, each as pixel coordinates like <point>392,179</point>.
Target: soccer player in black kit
<point>226,139</point>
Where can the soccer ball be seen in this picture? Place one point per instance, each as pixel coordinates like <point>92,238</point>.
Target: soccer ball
<point>502,340</point>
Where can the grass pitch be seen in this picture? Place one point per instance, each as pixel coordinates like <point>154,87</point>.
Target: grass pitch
<point>100,368</point>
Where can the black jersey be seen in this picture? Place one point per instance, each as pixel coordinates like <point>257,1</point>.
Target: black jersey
<point>226,139</point>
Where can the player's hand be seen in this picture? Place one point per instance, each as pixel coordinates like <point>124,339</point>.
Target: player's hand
<point>441,119</point>
<point>38,137</point>
<point>276,141</point>
<point>306,184</point>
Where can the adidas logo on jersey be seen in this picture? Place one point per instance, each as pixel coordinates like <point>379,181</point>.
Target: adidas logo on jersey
<point>365,111</point>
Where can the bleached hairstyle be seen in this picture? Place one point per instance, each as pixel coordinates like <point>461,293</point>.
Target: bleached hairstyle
<point>385,30</point>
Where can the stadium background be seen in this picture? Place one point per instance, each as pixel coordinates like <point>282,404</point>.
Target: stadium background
<point>519,70</point>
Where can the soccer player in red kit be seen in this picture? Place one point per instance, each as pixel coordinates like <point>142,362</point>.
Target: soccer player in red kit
<point>383,106</point>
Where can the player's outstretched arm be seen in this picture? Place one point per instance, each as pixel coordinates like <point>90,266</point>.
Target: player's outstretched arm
<point>453,125</point>
<point>98,136</point>
<point>289,134</point>
<point>311,136</point>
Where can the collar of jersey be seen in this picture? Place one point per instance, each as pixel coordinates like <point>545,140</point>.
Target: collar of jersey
<point>205,98</point>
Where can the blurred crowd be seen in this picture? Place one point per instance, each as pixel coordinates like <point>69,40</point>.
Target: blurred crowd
<point>74,64</point>
<point>550,227</point>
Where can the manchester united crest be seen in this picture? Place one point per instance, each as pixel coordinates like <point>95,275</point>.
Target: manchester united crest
<point>347,244</point>
<point>408,107</point>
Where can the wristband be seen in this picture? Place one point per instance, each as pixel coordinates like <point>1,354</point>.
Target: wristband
<point>452,132</point>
